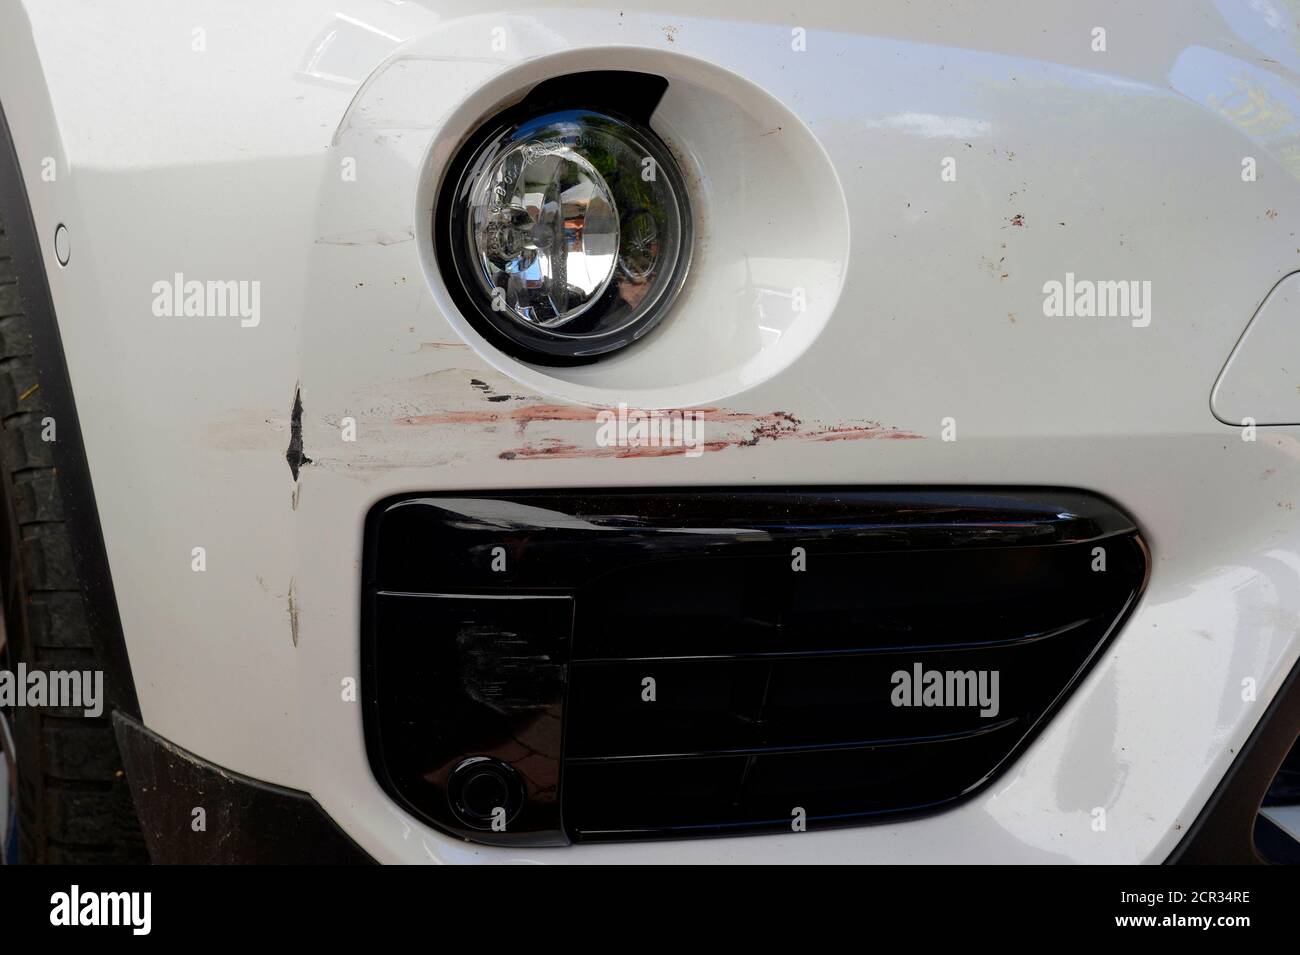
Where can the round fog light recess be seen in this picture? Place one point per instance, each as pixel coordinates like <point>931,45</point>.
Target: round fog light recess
<point>569,234</point>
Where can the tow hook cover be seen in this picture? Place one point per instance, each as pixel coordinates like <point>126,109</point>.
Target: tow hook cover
<point>1260,383</point>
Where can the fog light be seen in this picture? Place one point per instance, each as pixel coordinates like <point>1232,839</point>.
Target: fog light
<point>568,233</point>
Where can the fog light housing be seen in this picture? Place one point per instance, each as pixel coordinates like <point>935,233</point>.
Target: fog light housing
<point>568,234</point>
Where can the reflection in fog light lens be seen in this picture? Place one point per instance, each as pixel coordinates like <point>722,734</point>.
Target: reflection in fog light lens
<point>569,233</point>
<point>546,231</point>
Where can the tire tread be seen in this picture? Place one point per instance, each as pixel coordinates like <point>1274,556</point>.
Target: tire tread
<point>74,804</point>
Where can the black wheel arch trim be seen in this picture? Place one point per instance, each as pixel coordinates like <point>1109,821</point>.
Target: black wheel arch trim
<point>245,820</point>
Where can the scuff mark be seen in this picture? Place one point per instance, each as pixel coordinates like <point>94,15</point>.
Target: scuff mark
<point>461,425</point>
<point>368,237</point>
<point>490,394</point>
<point>554,448</point>
<point>452,417</point>
<point>246,429</point>
<point>773,427</point>
<point>739,429</point>
<point>293,612</point>
<point>871,431</point>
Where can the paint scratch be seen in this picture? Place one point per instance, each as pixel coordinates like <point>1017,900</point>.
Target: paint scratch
<point>368,237</point>
<point>724,428</point>
<point>293,612</point>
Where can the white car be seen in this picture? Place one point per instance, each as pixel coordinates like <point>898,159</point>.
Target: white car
<point>641,432</point>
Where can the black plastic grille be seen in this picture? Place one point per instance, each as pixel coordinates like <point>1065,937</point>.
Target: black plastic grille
<point>653,664</point>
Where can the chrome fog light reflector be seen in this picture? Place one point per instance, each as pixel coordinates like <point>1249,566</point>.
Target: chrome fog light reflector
<point>544,229</point>
<point>568,233</point>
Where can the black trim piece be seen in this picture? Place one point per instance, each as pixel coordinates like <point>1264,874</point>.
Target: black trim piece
<point>78,494</point>
<point>635,95</point>
<point>247,821</point>
<point>494,696</point>
<point>902,519</point>
<point>1224,832</point>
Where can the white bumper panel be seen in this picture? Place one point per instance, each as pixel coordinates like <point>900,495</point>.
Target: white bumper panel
<point>925,301</point>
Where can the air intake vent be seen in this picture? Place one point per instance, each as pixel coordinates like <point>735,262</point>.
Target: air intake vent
<point>673,663</point>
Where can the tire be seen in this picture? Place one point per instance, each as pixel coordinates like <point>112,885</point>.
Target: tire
<point>73,801</point>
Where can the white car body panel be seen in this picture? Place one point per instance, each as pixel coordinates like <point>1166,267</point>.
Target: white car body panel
<point>926,301</point>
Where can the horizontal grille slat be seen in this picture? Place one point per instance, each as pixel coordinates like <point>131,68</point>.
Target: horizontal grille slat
<point>1009,641</point>
<point>790,750</point>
